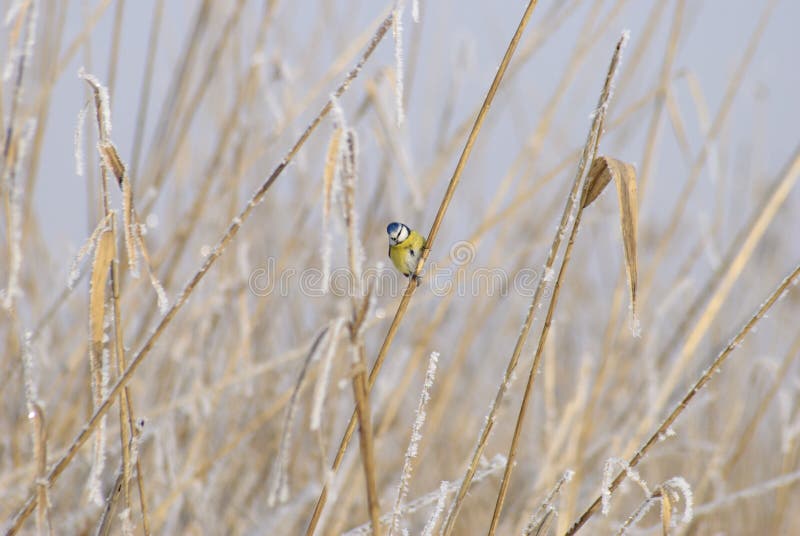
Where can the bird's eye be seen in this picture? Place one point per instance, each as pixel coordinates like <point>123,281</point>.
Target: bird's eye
<point>412,253</point>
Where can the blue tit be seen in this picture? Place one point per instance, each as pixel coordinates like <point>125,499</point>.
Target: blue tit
<point>405,247</point>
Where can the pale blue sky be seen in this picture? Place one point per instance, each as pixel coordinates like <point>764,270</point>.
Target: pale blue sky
<point>763,127</point>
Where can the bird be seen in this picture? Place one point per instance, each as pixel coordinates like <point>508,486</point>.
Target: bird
<point>405,248</point>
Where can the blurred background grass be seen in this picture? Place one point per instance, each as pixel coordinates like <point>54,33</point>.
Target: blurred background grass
<point>234,84</point>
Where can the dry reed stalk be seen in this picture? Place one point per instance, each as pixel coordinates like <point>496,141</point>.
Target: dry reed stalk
<point>128,433</point>
<point>546,508</point>
<point>602,170</point>
<point>279,490</point>
<point>662,98</point>
<point>137,438</point>
<point>412,451</point>
<point>560,447</point>
<point>109,506</point>
<point>392,406</point>
<point>684,402</point>
<point>413,52</point>
<point>432,327</point>
<point>438,510</point>
<point>105,252</point>
<point>111,162</point>
<point>470,332</point>
<point>366,436</point>
<point>359,379</point>
<point>347,173</point>
<point>387,402</point>
<point>102,108</point>
<point>403,306</point>
<point>330,185</point>
<point>27,508</point>
<point>43,524</point>
<point>340,176</point>
<point>93,208</point>
<point>14,224</point>
<point>573,201</point>
<point>742,249</point>
<point>124,399</point>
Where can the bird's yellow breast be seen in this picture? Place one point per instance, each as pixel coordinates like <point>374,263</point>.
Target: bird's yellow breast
<point>406,254</point>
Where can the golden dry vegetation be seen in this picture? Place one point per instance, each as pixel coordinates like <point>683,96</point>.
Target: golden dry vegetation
<point>201,334</point>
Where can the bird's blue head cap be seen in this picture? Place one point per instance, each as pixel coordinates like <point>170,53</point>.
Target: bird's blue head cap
<point>398,232</point>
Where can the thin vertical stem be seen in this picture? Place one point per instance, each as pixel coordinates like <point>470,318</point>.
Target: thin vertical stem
<point>366,437</point>
<point>590,151</point>
<point>412,286</point>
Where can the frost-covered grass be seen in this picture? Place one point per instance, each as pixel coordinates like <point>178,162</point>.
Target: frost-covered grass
<point>174,363</point>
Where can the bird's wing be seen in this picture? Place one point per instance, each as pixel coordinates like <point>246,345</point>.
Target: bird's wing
<point>390,252</point>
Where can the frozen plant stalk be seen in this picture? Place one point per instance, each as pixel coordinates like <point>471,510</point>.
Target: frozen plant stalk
<point>413,444</point>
